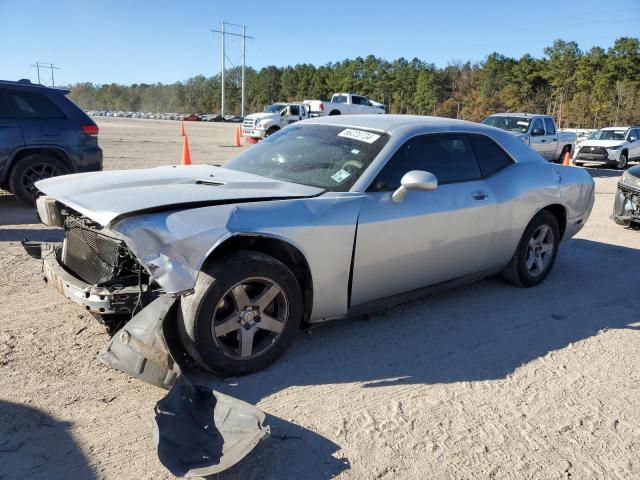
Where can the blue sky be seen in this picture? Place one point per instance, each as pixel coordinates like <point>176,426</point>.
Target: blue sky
<point>149,41</point>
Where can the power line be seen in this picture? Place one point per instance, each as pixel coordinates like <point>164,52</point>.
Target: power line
<point>45,65</point>
<point>244,37</point>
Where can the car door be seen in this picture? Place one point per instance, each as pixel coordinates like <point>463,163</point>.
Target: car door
<point>634,143</point>
<point>551,137</point>
<point>540,141</point>
<point>431,236</point>
<point>11,137</point>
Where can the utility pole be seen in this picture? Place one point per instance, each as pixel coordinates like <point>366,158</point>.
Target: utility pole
<point>244,37</point>
<point>50,66</point>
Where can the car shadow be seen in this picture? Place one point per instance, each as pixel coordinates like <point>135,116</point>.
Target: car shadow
<point>599,172</point>
<point>13,212</point>
<point>482,331</point>
<point>272,459</point>
<point>35,445</point>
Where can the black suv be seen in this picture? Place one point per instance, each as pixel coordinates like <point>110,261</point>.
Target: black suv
<point>42,134</point>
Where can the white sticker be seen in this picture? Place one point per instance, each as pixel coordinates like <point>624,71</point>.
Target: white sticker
<point>367,137</point>
<point>524,124</point>
<point>340,175</point>
<point>355,151</point>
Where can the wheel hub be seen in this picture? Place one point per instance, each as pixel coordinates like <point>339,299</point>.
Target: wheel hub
<point>249,316</point>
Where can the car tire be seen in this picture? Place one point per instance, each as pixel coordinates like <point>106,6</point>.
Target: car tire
<point>621,164</point>
<point>222,324</point>
<point>271,131</point>
<point>536,252</point>
<point>333,113</point>
<point>29,170</point>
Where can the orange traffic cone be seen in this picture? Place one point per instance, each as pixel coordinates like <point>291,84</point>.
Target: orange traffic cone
<point>251,140</point>
<point>186,154</point>
<point>237,139</point>
<point>182,134</point>
<point>567,159</point>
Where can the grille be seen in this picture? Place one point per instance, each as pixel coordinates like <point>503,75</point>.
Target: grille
<point>594,151</point>
<point>91,256</point>
<point>248,123</point>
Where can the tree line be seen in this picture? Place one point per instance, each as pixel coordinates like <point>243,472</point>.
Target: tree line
<point>581,89</point>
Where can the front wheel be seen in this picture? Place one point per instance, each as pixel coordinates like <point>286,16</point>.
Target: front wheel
<point>622,162</point>
<point>536,253</point>
<point>246,310</point>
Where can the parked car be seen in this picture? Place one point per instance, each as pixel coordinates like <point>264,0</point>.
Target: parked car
<point>325,219</point>
<point>626,207</point>
<point>273,118</point>
<point>233,118</point>
<point>192,117</point>
<point>344,104</point>
<point>537,131</point>
<point>610,146</point>
<point>42,134</point>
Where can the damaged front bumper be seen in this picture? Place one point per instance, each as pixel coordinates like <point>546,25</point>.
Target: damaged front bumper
<point>626,208</point>
<point>102,300</point>
<point>198,431</point>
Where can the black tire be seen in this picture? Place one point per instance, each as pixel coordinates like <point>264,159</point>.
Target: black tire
<point>622,161</point>
<point>213,295</point>
<point>517,272</point>
<point>271,131</point>
<point>334,112</point>
<point>30,169</point>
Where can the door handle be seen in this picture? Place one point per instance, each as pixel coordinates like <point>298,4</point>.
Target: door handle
<point>479,196</point>
<point>542,141</point>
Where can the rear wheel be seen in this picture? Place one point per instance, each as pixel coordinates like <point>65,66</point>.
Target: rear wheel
<point>28,171</point>
<point>536,253</point>
<point>246,310</point>
<point>334,112</point>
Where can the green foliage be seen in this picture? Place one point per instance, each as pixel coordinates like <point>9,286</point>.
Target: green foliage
<point>581,89</point>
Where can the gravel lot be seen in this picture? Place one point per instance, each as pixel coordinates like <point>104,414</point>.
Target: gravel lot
<point>483,381</point>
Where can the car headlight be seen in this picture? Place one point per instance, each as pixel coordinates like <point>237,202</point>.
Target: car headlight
<point>262,125</point>
<point>49,211</point>
<point>629,179</point>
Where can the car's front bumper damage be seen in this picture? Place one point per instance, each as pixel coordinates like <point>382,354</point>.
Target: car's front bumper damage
<point>626,208</point>
<point>198,431</point>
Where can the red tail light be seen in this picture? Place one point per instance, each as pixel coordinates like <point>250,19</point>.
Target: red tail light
<point>90,129</point>
<point>321,107</point>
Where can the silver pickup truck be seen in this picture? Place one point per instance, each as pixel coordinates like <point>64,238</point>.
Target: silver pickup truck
<point>537,131</point>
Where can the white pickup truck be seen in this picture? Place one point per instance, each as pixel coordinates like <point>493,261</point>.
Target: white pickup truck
<point>344,104</point>
<point>537,131</point>
<point>273,118</point>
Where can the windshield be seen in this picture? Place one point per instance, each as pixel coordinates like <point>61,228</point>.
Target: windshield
<point>608,135</point>
<point>275,108</point>
<point>510,124</point>
<point>323,156</point>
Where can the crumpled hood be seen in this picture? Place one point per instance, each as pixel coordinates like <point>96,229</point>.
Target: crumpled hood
<point>105,196</point>
<point>601,143</point>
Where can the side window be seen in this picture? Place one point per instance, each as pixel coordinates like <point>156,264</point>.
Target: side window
<point>356,100</point>
<point>489,154</point>
<point>341,99</point>
<point>449,157</point>
<point>549,126</point>
<point>32,105</point>
<point>537,125</point>
<point>4,110</point>
<point>295,110</point>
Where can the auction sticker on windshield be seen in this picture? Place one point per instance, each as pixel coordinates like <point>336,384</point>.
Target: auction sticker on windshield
<point>340,175</point>
<point>361,135</point>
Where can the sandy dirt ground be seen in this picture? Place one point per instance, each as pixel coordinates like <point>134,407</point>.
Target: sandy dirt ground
<point>483,381</point>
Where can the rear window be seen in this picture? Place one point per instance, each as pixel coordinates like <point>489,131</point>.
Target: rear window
<point>490,156</point>
<point>23,104</point>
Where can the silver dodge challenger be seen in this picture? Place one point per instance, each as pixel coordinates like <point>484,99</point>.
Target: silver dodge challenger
<point>328,218</point>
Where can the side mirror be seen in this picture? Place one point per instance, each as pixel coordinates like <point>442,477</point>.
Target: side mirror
<point>415,180</point>
<point>632,139</point>
<point>537,132</point>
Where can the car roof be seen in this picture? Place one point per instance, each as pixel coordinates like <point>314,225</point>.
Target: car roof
<point>390,122</point>
<point>27,85</point>
<point>517,114</point>
<point>616,128</point>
